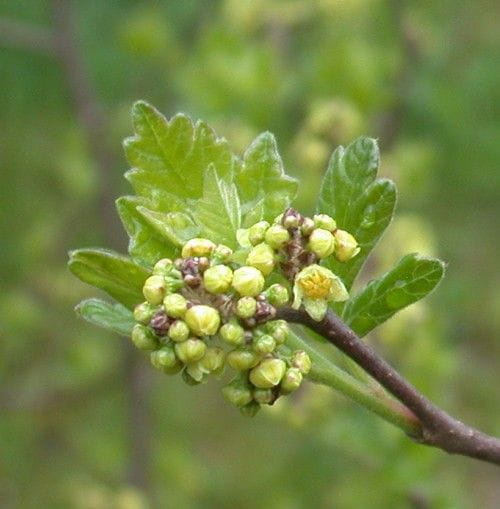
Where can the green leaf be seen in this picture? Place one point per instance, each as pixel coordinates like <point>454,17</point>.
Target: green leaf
<point>360,204</point>
<point>265,190</point>
<point>414,277</point>
<point>113,317</point>
<point>172,156</point>
<point>146,245</point>
<point>153,186</point>
<point>218,211</point>
<point>175,227</point>
<point>117,275</point>
<point>374,212</point>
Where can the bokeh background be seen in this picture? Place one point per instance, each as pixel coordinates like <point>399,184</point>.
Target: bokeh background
<point>85,423</point>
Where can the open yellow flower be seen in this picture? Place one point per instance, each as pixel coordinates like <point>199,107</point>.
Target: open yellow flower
<point>314,287</point>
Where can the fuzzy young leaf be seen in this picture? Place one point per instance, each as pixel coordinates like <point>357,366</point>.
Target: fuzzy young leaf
<point>360,204</point>
<point>146,245</point>
<point>117,275</point>
<point>173,156</point>
<point>414,277</point>
<point>265,190</point>
<point>113,317</point>
<point>218,211</point>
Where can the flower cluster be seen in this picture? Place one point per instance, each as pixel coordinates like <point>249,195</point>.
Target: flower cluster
<point>213,307</point>
<point>298,244</point>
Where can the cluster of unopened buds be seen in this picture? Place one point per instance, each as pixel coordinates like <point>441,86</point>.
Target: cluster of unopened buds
<point>213,307</point>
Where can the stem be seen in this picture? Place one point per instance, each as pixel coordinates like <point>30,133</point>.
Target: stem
<point>438,429</point>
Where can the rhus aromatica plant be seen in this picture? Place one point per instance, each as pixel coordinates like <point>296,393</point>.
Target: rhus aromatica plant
<point>221,268</point>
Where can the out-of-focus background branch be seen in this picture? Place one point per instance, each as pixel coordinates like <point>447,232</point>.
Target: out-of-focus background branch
<point>84,422</point>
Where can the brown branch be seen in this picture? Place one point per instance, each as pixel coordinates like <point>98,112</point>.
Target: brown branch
<point>438,428</point>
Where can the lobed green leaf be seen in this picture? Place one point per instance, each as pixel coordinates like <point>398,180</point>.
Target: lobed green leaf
<point>218,211</point>
<point>117,275</point>
<point>265,190</point>
<point>171,157</point>
<point>113,317</point>
<point>146,245</point>
<point>414,277</point>
<point>360,204</point>
<point>174,227</point>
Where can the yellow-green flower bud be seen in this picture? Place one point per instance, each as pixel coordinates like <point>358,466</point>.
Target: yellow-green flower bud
<point>232,334</point>
<point>263,396</point>
<point>248,281</point>
<point>175,305</point>
<point>237,393</point>
<point>307,226</point>
<point>187,378</point>
<point>277,295</point>
<point>277,236</point>
<point>251,409</point>
<point>257,232</point>
<point>279,331</point>
<point>321,243</point>
<point>164,358</point>
<point>154,289</point>
<point>197,247</point>
<point>178,331</point>
<point>246,307</point>
<point>278,219</point>
<point>346,246</point>
<point>302,361</point>
<point>203,320</point>
<point>191,350</point>
<point>264,344</point>
<point>291,219</point>
<point>222,254</point>
<point>325,222</point>
<point>213,360</point>
<point>242,359</point>
<point>291,380</point>
<point>144,312</point>
<point>217,279</point>
<point>195,371</point>
<point>268,373</point>
<point>163,266</point>
<point>262,258</point>
<point>143,338</point>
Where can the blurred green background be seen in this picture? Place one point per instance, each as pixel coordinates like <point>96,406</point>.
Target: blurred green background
<point>84,421</point>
